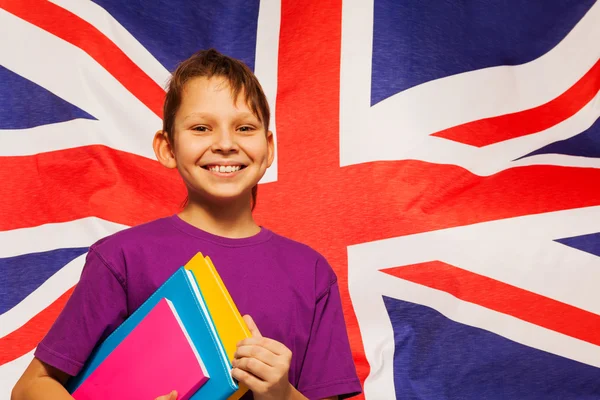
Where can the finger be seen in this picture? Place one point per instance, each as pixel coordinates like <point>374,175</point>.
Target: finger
<point>272,345</point>
<point>256,367</point>
<point>252,326</point>
<point>170,396</point>
<point>253,383</point>
<point>258,352</point>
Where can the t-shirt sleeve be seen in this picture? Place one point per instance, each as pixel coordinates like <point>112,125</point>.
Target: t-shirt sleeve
<point>97,306</point>
<point>328,368</point>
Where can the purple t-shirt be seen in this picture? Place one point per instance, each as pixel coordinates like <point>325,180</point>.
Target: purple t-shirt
<point>288,288</point>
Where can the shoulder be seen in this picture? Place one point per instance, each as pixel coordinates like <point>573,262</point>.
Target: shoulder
<point>116,249</point>
<point>133,236</point>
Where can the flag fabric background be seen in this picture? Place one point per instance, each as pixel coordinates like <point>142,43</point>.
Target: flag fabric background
<point>444,157</point>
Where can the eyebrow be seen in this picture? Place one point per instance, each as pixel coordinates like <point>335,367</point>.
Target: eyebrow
<point>195,114</point>
<point>207,115</point>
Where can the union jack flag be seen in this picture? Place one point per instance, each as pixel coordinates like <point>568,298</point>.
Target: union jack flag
<point>444,157</point>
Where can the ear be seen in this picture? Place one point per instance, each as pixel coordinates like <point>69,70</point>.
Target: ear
<point>163,150</point>
<point>270,148</point>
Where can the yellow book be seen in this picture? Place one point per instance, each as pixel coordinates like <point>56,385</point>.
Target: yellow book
<point>226,317</point>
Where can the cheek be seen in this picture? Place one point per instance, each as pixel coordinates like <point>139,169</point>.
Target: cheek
<point>257,149</point>
<point>191,149</point>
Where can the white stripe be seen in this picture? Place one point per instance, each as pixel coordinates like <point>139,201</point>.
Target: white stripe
<point>519,251</point>
<point>560,160</point>
<point>78,233</point>
<point>81,82</point>
<point>500,156</point>
<point>116,33</point>
<point>398,127</point>
<point>11,372</point>
<point>71,134</point>
<point>266,65</point>
<point>497,157</point>
<point>355,79</point>
<point>42,297</point>
<point>378,335</point>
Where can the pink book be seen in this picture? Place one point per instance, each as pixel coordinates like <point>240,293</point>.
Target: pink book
<point>157,357</point>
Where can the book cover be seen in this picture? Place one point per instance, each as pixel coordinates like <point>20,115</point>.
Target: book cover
<point>182,290</point>
<point>157,356</point>
<point>227,319</point>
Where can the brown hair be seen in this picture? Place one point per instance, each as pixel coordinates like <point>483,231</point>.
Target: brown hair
<point>209,63</point>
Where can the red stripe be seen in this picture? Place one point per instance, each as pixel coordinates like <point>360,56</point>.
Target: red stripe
<point>504,298</point>
<point>404,197</point>
<point>27,337</point>
<point>87,181</point>
<point>374,201</point>
<point>308,87</point>
<point>497,129</point>
<point>80,33</point>
<point>299,204</point>
<point>309,177</point>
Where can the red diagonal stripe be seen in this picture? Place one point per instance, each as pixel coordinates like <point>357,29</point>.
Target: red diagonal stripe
<point>27,337</point>
<point>504,298</point>
<point>80,33</point>
<point>497,129</point>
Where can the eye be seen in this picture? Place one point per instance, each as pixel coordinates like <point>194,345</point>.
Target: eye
<point>246,128</point>
<point>200,128</point>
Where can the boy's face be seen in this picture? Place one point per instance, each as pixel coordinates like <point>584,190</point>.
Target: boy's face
<point>221,148</point>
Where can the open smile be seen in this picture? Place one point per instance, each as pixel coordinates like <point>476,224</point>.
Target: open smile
<point>224,170</point>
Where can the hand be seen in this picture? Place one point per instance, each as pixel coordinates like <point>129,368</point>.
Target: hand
<point>170,396</point>
<point>262,364</point>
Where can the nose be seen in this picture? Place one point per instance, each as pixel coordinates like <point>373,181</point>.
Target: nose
<point>224,141</point>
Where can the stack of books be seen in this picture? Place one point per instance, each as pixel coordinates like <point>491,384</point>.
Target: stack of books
<point>182,338</point>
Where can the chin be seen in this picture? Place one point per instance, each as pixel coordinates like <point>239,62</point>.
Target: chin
<point>225,197</point>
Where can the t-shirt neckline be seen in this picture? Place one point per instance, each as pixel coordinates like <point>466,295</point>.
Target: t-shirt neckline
<point>263,235</point>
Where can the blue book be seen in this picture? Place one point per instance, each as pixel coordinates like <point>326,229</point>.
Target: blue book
<point>182,290</point>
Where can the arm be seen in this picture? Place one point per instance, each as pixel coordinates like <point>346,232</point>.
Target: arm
<point>296,395</point>
<point>97,306</point>
<point>41,381</point>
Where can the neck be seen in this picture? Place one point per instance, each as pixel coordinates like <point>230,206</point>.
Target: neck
<point>233,220</point>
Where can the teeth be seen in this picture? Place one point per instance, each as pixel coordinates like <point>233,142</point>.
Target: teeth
<point>224,169</point>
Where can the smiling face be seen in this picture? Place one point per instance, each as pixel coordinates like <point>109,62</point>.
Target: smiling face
<point>220,147</point>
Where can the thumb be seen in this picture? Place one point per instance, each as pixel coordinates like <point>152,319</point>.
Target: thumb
<point>170,396</point>
<point>252,326</point>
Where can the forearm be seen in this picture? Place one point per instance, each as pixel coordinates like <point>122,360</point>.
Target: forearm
<point>43,388</point>
<point>295,394</point>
